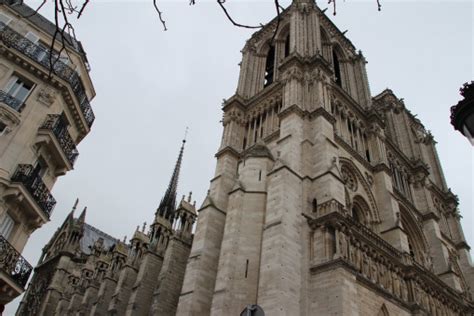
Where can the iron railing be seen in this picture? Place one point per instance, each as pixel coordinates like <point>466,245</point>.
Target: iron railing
<point>58,126</point>
<point>36,187</point>
<point>11,101</point>
<point>42,56</point>
<point>13,264</point>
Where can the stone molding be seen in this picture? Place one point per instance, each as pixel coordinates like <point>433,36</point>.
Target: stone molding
<point>375,261</point>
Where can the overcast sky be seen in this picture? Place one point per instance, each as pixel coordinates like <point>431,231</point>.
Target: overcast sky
<point>152,84</point>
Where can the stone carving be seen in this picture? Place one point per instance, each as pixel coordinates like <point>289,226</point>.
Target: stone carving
<point>293,73</point>
<point>387,273</point>
<point>47,96</point>
<point>9,117</point>
<point>350,181</point>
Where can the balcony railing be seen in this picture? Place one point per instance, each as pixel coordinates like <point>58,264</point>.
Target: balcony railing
<point>11,101</point>
<point>36,187</point>
<point>41,55</point>
<point>13,264</point>
<point>57,125</point>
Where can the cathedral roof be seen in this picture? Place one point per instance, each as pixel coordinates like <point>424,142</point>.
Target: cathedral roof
<point>91,235</point>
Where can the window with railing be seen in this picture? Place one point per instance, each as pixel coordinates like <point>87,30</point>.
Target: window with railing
<point>31,178</point>
<point>13,264</point>
<point>58,125</point>
<point>16,92</point>
<point>40,54</point>
<point>19,88</point>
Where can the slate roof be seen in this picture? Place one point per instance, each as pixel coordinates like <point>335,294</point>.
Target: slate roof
<point>91,235</point>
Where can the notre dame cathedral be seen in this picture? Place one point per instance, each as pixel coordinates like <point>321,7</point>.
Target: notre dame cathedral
<point>326,200</point>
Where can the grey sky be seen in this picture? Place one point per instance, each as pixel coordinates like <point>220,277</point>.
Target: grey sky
<point>152,84</point>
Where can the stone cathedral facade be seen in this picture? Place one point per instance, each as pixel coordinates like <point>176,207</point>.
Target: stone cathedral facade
<point>84,271</point>
<point>326,200</point>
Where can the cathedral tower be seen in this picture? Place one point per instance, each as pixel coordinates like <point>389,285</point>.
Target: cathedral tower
<point>325,200</point>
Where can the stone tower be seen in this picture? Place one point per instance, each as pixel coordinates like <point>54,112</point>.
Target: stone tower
<point>84,271</point>
<point>325,200</point>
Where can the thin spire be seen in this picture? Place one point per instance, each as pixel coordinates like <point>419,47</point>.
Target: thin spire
<point>168,202</point>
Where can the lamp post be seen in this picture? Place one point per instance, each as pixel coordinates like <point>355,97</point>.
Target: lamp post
<point>462,114</point>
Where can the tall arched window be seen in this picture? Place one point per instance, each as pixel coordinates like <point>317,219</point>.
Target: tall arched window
<point>414,235</point>
<point>269,66</point>
<point>287,45</point>
<point>337,68</point>
<point>360,211</point>
<point>325,45</point>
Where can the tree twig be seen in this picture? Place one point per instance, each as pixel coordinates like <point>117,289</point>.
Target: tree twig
<point>82,8</point>
<point>159,15</point>
<point>277,7</point>
<point>36,11</point>
<point>221,4</point>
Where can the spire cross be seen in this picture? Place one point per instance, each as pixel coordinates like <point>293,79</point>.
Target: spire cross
<point>75,204</point>
<point>185,134</point>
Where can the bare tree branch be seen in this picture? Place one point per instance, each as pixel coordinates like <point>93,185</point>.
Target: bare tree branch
<point>277,7</point>
<point>159,15</point>
<point>221,4</point>
<point>82,8</point>
<point>36,11</point>
<point>65,33</point>
<point>334,6</point>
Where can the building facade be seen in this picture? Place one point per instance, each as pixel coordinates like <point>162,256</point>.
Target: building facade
<point>44,113</point>
<point>84,271</point>
<point>325,200</point>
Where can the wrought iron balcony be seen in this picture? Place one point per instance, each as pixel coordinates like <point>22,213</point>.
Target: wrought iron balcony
<point>13,264</point>
<point>15,104</point>
<point>36,187</point>
<point>42,55</point>
<point>58,126</point>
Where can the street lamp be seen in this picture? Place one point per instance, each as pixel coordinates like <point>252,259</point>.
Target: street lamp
<point>462,114</point>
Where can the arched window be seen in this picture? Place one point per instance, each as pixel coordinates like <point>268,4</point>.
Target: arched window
<point>358,214</point>
<point>361,212</point>
<point>416,245</point>
<point>325,45</point>
<point>337,68</point>
<point>269,66</point>
<point>287,45</point>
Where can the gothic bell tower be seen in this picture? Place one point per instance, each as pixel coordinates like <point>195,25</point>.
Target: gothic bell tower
<point>306,213</point>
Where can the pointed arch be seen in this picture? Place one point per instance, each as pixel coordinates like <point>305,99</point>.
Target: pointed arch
<point>325,44</point>
<point>360,211</point>
<point>269,65</point>
<point>338,56</point>
<point>362,189</point>
<point>417,243</point>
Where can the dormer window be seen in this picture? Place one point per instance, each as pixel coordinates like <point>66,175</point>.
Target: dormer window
<point>269,66</point>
